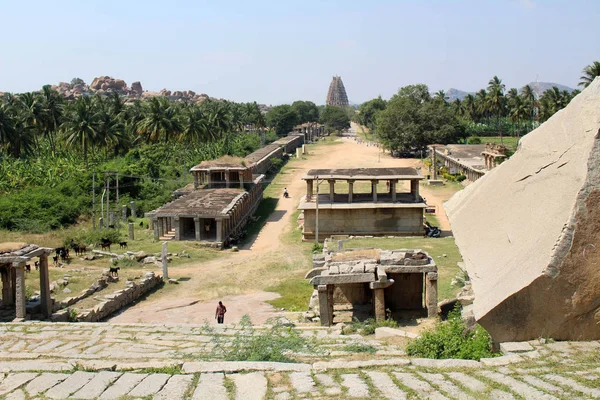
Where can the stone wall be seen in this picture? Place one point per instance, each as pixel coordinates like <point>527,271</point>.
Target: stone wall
<point>366,221</point>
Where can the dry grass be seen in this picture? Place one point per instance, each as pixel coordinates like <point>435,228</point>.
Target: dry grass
<point>353,255</point>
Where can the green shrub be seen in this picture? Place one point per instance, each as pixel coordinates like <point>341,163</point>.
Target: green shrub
<point>317,248</point>
<point>274,344</point>
<point>368,326</point>
<point>460,177</point>
<point>474,140</point>
<point>452,339</point>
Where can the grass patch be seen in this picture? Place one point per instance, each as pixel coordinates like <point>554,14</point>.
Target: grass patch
<point>443,251</point>
<point>367,327</point>
<point>171,370</point>
<point>360,348</point>
<point>295,293</point>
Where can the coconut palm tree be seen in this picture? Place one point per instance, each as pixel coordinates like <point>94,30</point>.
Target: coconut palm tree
<point>7,125</point>
<point>589,74</point>
<point>517,111</point>
<point>52,111</point>
<point>483,104</point>
<point>496,99</point>
<point>160,120</point>
<point>528,94</point>
<point>194,124</point>
<point>81,125</point>
<point>470,106</point>
<point>440,95</point>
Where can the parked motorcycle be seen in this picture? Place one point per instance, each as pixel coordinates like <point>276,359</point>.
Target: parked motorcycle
<point>432,231</point>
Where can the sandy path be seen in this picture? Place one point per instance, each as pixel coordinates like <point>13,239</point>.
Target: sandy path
<point>189,307</point>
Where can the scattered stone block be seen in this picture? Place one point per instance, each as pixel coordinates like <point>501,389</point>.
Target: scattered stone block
<point>385,332</point>
<point>515,347</point>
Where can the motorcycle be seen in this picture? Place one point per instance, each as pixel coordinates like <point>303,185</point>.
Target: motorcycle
<point>432,231</point>
<point>286,195</point>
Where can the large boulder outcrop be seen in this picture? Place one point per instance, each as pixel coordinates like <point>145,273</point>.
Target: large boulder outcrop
<point>529,231</point>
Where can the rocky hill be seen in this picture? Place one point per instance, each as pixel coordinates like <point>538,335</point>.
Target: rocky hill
<point>105,85</point>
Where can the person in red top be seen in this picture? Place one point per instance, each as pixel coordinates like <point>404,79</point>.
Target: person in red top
<point>220,313</point>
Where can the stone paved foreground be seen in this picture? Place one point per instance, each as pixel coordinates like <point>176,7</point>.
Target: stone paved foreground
<point>44,361</point>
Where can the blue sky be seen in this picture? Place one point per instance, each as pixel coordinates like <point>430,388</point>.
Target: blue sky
<point>278,51</point>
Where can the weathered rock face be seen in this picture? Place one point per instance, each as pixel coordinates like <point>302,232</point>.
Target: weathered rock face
<point>529,231</point>
<point>137,88</point>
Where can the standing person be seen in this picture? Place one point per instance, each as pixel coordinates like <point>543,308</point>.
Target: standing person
<point>220,313</point>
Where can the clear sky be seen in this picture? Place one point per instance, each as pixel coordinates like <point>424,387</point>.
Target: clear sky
<point>278,51</point>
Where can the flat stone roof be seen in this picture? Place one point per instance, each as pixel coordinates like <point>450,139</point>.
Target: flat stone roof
<point>364,174</point>
<point>19,252</point>
<point>225,162</point>
<point>327,205</point>
<point>202,203</point>
<point>465,154</point>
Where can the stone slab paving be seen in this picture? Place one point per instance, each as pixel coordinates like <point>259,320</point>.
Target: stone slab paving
<point>332,388</point>
<point>574,385</point>
<point>355,386</point>
<point>150,385</point>
<point>18,394</point>
<point>421,387</point>
<point>122,386</point>
<point>97,385</point>
<point>386,386</point>
<point>446,386</point>
<point>252,386</point>
<point>176,388</point>
<point>303,382</point>
<point>13,381</point>
<point>468,381</point>
<point>518,387</point>
<point>70,385</point>
<point>211,386</point>
<point>44,382</point>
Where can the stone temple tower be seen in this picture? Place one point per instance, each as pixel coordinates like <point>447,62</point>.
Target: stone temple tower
<point>337,93</point>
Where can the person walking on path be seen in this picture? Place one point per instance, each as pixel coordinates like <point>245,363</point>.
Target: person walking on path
<point>220,313</point>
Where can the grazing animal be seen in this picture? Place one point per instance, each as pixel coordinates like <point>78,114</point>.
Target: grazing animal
<point>105,243</point>
<point>59,265</point>
<point>123,245</point>
<point>55,259</point>
<point>28,267</point>
<point>82,249</point>
<point>111,226</point>
<point>37,265</point>
<point>114,271</point>
<point>141,224</point>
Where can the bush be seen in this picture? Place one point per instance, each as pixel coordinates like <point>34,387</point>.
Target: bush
<point>368,326</point>
<point>474,140</point>
<point>452,339</point>
<point>317,248</point>
<point>274,344</point>
<point>460,177</point>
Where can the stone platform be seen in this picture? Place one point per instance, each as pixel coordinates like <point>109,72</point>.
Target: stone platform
<point>103,361</point>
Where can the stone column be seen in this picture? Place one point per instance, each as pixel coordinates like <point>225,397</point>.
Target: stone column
<point>156,227</point>
<point>393,189</point>
<point>165,263</point>
<point>331,190</point>
<point>209,180</point>
<point>177,226</point>
<point>414,189</point>
<point>219,230</point>
<point>101,222</point>
<point>7,293</point>
<point>196,180</point>
<point>241,175</point>
<point>350,190</point>
<point>379,304</point>
<point>20,300</point>
<point>131,231</point>
<point>431,296</point>
<point>124,214</point>
<point>227,178</point>
<point>197,228</point>
<point>324,309</point>
<point>133,210</point>
<point>374,189</point>
<point>45,298</point>
<point>309,189</point>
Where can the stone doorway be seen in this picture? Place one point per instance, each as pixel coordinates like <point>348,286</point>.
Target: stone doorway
<point>208,229</point>
<point>187,229</point>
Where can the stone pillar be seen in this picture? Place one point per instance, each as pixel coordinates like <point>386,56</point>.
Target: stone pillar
<point>331,190</point>
<point>197,228</point>
<point>7,293</point>
<point>177,226</point>
<point>133,210</point>
<point>241,175</point>
<point>131,231</point>
<point>165,262</point>
<point>20,300</point>
<point>196,180</point>
<point>350,190</point>
<point>227,177</point>
<point>414,189</point>
<point>303,149</point>
<point>309,189</point>
<point>298,153</point>
<point>124,214</point>
<point>219,230</point>
<point>431,295</point>
<point>209,179</point>
<point>374,190</point>
<point>45,298</point>
<point>393,189</point>
<point>324,309</point>
<point>101,222</point>
<point>379,304</point>
<point>156,226</point>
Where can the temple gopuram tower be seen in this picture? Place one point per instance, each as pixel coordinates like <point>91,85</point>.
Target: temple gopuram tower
<point>337,93</point>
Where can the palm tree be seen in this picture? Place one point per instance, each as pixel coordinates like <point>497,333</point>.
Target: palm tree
<point>440,95</point>
<point>483,104</point>
<point>160,120</point>
<point>470,106</point>
<point>81,125</point>
<point>518,110</point>
<point>7,125</point>
<point>195,129</point>
<point>528,94</point>
<point>589,74</point>
<point>52,111</point>
<point>496,96</point>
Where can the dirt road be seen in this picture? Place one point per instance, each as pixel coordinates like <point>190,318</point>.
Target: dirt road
<point>238,278</point>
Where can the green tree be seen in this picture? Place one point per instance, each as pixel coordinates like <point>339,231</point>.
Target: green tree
<point>160,121</point>
<point>590,72</point>
<point>282,118</point>
<point>307,111</point>
<point>367,112</point>
<point>417,93</point>
<point>496,101</point>
<point>335,119</point>
<point>81,125</point>
<point>52,113</point>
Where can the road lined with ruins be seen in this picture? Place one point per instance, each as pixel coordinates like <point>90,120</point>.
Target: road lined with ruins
<point>104,361</point>
<point>209,281</point>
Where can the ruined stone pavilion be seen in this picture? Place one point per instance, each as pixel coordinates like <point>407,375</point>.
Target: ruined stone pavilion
<point>401,281</point>
<point>13,259</point>
<point>392,211</point>
<point>223,197</point>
